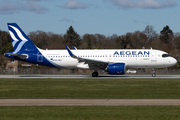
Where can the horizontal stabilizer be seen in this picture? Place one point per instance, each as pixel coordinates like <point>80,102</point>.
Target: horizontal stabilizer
<point>22,56</point>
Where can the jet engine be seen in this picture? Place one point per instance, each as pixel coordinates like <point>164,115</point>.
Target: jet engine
<point>116,68</point>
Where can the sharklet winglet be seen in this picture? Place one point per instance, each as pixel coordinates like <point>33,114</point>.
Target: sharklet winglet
<point>70,52</point>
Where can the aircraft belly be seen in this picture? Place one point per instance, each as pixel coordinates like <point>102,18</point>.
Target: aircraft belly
<point>68,63</point>
<point>139,64</point>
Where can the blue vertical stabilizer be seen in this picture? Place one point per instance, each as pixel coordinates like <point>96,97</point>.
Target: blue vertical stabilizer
<point>20,40</point>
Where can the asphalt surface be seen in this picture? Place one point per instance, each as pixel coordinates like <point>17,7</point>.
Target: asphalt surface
<point>89,102</point>
<point>89,76</point>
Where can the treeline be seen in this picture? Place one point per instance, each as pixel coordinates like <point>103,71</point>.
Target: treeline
<point>165,40</point>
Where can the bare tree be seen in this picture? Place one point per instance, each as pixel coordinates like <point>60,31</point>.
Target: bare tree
<point>150,32</point>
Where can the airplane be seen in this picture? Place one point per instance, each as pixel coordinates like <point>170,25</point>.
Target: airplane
<point>113,61</point>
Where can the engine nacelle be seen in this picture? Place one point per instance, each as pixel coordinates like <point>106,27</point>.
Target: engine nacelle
<point>116,68</point>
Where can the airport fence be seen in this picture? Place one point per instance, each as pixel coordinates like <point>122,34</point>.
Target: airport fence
<point>56,71</point>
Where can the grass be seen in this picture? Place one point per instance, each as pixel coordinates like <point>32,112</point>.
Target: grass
<point>90,88</point>
<point>91,113</point>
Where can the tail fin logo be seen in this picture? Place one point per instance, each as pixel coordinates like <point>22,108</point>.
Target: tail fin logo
<point>15,40</point>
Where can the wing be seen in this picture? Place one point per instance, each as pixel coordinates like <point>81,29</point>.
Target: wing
<point>93,64</point>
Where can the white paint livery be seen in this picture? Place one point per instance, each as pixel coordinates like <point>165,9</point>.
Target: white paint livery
<point>154,60</point>
<point>18,33</point>
<point>100,59</point>
<point>14,38</point>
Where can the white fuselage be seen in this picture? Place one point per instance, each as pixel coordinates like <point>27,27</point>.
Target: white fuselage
<point>133,58</point>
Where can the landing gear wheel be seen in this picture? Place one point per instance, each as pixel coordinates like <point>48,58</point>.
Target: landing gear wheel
<point>153,72</point>
<point>95,74</point>
<point>153,75</point>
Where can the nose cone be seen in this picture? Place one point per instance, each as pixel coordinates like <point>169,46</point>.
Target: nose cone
<point>173,61</point>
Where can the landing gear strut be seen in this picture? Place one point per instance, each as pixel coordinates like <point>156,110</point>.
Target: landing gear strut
<point>153,72</point>
<point>95,74</point>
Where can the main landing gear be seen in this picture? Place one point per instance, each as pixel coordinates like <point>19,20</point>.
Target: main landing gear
<point>153,72</point>
<point>95,74</point>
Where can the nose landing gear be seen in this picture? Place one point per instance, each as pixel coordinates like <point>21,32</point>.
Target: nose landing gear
<point>153,72</point>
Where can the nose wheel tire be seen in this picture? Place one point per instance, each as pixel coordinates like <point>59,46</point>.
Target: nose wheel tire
<point>153,75</point>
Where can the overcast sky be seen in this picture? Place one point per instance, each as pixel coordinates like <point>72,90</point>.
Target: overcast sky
<point>105,17</point>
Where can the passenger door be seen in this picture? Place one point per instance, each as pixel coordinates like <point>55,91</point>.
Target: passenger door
<point>153,56</point>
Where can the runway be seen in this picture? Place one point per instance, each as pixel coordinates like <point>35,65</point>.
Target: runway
<point>89,102</point>
<point>89,76</point>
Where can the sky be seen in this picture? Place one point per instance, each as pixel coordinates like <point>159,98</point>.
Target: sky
<point>106,17</point>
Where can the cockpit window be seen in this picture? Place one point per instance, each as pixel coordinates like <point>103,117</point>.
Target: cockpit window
<point>165,55</point>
